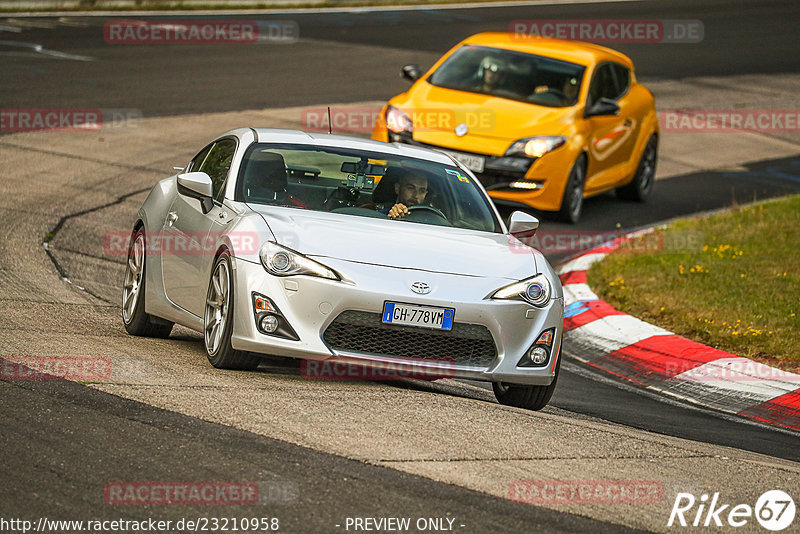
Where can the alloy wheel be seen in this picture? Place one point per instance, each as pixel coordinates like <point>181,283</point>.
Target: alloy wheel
<point>216,315</point>
<point>133,278</point>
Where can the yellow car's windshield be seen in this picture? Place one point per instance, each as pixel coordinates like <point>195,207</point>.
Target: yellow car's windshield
<point>509,74</point>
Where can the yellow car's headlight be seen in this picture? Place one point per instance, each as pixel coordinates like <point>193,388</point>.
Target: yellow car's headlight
<point>397,121</point>
<point>535,147</point>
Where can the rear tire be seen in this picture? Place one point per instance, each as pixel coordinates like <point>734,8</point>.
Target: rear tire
<point>136,321</point>
<point>572,201</point>
<point>218,321</point>
<point>642,184</point>
<point>528,397</point>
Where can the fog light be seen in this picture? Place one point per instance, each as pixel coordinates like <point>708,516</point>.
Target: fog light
<point>525,185</point>
<point>269,323</point>
<point>538,355</point>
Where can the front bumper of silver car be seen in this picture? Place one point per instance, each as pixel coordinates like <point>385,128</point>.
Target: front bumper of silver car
<point>340,321</point>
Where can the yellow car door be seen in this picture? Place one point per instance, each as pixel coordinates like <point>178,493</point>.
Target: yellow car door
<point>613,126</point>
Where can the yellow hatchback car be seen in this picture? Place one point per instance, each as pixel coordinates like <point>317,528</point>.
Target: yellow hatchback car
<point>541,122</point>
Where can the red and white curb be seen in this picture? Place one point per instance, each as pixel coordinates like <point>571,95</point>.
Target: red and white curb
<point>654,358</point>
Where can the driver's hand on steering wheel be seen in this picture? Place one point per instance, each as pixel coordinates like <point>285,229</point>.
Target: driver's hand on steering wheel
<point>398,211</point>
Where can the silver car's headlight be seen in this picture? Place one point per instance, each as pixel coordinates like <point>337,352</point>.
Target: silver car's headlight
<point>535,290</point>
<point>535,147</point>
<point>281,261</point>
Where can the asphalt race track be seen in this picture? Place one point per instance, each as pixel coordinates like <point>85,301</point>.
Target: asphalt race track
<point>339,61</point>
<point>340,450</point>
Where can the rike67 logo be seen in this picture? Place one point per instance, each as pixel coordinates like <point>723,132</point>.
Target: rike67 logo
<point>774,510</point>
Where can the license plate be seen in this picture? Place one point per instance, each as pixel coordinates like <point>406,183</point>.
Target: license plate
<point>473,163</point>
<point>416,315</point>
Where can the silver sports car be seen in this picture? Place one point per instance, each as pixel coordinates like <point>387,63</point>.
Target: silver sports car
<point>348,252</point>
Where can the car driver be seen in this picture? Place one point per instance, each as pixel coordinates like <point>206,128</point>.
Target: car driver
<point>411,190</point>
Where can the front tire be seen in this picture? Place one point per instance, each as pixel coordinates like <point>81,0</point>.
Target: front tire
<point>572,201</point>
<point>136,321</point>
<point>528,397</point>
<point>218,321</point>
<point>642,184</point>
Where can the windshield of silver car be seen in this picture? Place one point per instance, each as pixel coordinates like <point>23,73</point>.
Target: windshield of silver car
<point>367,184</point>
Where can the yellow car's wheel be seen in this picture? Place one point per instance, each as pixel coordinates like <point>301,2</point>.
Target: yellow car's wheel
<point>642,184</point>
<point>572,201</point>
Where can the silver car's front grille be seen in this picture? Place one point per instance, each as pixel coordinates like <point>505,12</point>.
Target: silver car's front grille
<point>465,344</point>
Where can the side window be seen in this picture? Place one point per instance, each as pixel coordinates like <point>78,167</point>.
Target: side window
<point>194,165</point>
<point>623,79</point>
<point>610,80</point>
<point>218,163</point>
<point>602,85</point>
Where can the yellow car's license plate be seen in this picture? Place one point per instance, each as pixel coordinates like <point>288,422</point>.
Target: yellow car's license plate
<point>470,161</point>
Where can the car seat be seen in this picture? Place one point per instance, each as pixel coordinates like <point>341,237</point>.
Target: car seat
<point>384,192</point>
<point>265,177</point>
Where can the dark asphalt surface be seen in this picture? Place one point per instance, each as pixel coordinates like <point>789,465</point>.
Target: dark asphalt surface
<point>676,197</point>
<point>63,442</point>
<point>346,57</point>
<point>594,393</point>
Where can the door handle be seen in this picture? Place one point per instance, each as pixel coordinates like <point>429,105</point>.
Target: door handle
<point>171,218</point>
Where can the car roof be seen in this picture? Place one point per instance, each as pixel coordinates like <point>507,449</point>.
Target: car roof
<point>574,51</point>
<point>279,135</point>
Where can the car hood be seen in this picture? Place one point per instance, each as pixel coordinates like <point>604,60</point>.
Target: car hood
<point>399,244</point>
<point>489,118</point>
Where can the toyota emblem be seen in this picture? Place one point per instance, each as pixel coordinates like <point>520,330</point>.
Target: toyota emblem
<point>420,288</point>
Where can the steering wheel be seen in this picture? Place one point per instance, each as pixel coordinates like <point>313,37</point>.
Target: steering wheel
<point>436,211</point>
<point>557,92</point>
<point>346,195</point>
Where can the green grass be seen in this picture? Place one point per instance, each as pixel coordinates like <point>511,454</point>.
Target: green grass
<point>730,280</point>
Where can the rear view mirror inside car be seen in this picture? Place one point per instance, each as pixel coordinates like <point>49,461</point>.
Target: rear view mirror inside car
<point>354,167</point>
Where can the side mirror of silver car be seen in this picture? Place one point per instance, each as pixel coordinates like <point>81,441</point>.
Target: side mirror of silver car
<point>197,185</point>
<point>522,225</point>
